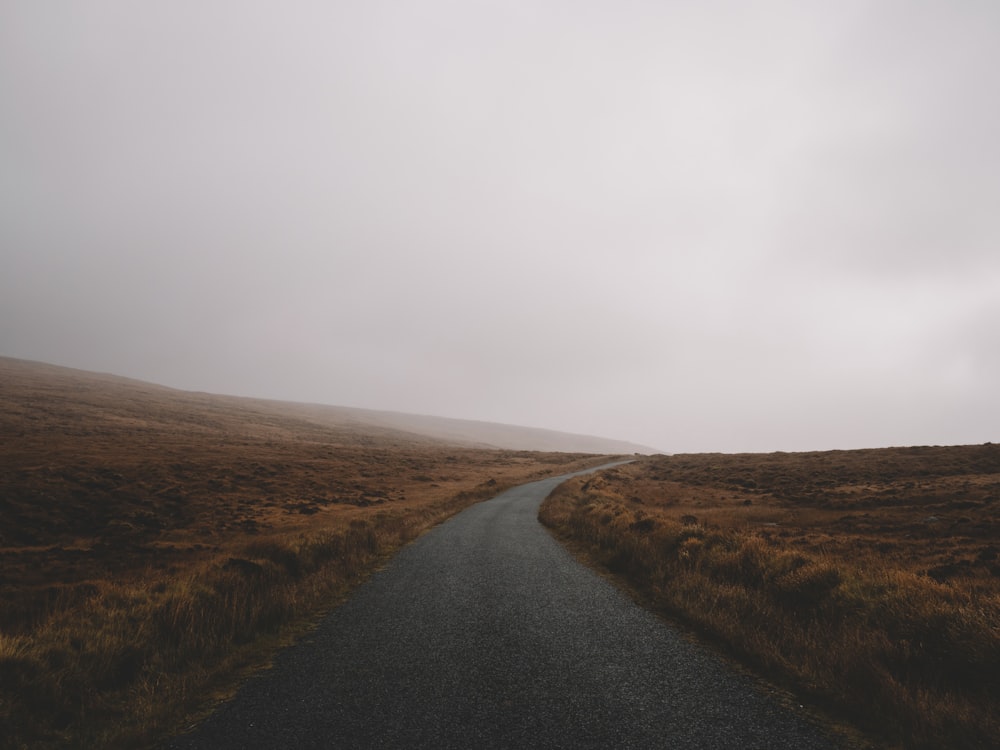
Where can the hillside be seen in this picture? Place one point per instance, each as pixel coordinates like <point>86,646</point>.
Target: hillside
<point>29,390</point>
<point>112,469</point>
<point>481,434</point>
<point>154,543</point>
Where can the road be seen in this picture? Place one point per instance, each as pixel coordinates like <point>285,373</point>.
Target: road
<point>486,633</point>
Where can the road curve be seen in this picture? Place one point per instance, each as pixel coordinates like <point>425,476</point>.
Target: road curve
<point>485,633</point>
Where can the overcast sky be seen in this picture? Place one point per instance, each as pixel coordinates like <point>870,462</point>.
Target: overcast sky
<point>712,226</point>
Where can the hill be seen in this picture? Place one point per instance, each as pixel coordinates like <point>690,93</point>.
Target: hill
<point>109,400</point>
<point>481,434</point>
<point>154,543</point>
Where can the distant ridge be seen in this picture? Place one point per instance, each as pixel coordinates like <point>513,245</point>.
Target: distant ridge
<point>113,394</point>
<point>491,434</point>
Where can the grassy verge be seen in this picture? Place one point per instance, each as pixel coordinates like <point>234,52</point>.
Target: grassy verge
<point>120,662</point>
<point>911,659</point>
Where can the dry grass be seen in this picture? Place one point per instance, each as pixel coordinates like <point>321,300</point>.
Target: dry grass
<point>155,545</point>
<point>866,579</point>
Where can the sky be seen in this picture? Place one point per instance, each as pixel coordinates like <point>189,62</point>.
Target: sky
<point>714,226</point>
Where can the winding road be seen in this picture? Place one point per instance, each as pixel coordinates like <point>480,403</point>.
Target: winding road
<point>486,633</point>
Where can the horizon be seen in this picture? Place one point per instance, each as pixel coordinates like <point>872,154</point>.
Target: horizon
<point>705,229</point>
<point>608,438</point>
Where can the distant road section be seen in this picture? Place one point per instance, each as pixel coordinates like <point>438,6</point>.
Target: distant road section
<point>486,633</point>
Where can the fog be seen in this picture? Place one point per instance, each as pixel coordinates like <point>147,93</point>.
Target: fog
<point>717,226</point>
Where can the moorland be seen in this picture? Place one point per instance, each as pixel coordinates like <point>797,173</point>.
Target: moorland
<point>156,544</point>
<point>868,580</point>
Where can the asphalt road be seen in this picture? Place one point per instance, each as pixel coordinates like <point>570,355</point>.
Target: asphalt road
<point>486,633</point>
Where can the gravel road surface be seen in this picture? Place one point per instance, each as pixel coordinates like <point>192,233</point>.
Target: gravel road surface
<point>486,633</point>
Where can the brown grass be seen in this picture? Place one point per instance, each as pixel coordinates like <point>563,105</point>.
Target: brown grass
<point>868,580</point>
<point>155,545</point>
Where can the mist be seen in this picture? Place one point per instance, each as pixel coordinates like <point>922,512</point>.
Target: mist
<point>700,228</point>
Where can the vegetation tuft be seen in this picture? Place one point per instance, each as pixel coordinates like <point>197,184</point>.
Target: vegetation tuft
<point>856,612</point>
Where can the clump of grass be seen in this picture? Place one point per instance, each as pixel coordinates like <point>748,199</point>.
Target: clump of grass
<point>907,657</point>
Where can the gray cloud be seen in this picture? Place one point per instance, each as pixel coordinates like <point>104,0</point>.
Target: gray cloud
<point>702,227</point>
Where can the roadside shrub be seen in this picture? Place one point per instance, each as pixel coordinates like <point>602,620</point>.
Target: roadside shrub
<point>808,584</point>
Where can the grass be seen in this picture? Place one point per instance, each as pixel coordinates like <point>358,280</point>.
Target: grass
<point>156,546</point>
<point>116,662</point>
<point>866,580</point>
